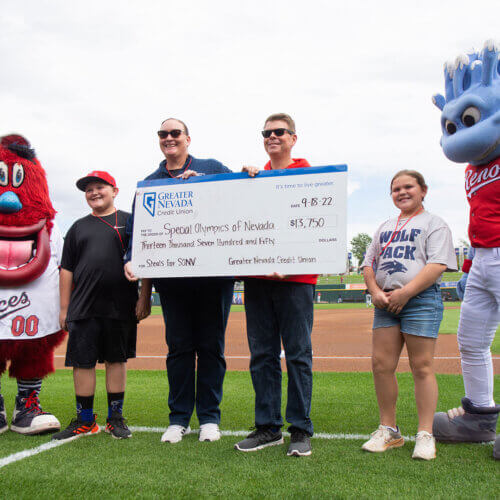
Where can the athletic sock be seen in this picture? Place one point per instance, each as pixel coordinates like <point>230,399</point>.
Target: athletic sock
<point>85,408</point>
<point>115,402</point>
<point>392,428</point>
<point>26,387</point>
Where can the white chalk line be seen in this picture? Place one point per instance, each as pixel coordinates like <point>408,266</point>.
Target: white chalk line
<point>318,435</point>
<point>21,455</point>
<point>339,436</point>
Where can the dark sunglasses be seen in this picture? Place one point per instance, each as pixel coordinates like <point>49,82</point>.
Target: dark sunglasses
<point>278,132</point>
<point>163,134</point>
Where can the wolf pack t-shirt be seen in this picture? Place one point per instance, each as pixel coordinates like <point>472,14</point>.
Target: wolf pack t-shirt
<point>424,239</point>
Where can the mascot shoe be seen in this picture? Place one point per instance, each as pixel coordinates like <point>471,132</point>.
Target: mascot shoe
<point>471,424</point>
<point>29,418</point>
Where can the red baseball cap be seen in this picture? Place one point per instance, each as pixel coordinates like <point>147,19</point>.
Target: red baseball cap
<point>95,176</point>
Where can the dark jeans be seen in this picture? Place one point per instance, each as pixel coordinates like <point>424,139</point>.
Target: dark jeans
<point>195,311</point>
<point>280,311</point>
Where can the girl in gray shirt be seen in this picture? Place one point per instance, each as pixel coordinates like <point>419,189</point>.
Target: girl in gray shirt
<point>402,271</point>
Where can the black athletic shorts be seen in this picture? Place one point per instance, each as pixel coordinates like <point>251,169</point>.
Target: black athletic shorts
<point>96,340</point>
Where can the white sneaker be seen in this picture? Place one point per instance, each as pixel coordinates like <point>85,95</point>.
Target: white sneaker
<point>175,433</point>
<point>425,446</point>
<point>383,439</point>
<point>209,432</point>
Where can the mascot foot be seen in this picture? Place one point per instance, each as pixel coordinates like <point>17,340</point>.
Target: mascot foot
<point>496,449</point>
<point>3,417</point>
<point>29,418</point>
<point>468,424</point>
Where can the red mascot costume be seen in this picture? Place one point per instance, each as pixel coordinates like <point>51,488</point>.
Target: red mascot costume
<point>30,249</point>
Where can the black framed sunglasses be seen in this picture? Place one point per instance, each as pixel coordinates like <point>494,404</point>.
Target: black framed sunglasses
<point>163,134</point>
<point>278,132</point>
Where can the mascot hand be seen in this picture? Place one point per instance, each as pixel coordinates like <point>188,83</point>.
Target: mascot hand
<point>461,286</point>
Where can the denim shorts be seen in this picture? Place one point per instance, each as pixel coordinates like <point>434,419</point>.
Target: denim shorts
<point>421,315</point>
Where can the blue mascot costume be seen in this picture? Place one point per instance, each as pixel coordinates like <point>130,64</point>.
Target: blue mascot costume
<point>470,121</point>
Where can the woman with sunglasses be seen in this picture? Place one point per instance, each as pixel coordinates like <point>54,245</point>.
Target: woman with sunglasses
<point>192,339</point>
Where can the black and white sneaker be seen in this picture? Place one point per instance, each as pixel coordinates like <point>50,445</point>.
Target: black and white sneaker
<point>260,438</point>
<point>300,444</point>
<point>117,427</point>
<point>29,418</point>
<point>3,417</point>
<point>175,433</point>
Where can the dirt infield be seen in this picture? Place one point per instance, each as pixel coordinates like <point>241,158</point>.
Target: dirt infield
<point>341,342</point>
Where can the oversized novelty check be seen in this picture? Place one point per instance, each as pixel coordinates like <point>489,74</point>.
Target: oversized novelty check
<point>289,221</point>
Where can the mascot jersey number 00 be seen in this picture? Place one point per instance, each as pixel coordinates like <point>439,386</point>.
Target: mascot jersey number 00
<point>30,249</point>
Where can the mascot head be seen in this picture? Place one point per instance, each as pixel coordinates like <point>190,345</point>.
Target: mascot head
<point>26,213</point>
<point>470,118</point>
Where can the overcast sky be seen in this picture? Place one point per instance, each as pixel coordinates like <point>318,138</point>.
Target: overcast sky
<point>88,83</point>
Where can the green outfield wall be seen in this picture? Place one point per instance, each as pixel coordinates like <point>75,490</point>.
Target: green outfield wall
<point>328,294</point>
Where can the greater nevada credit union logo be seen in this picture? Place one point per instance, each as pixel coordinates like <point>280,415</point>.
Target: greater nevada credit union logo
<point>149,202</point>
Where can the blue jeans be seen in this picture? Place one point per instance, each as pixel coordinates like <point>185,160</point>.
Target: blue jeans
<point>195,311</point>
<point>280,311</point>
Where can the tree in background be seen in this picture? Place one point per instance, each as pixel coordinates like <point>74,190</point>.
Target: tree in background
<point>359,244</point>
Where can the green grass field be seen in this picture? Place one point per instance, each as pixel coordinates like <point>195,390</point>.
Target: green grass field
<point>142,467</point>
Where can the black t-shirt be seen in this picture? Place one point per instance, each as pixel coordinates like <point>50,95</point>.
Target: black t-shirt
<point>94,254</point>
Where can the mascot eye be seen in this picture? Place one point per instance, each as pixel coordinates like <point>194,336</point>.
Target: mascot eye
<point>4,174</point>
<point>471,116</point>
<point>451,128</point>
<point>17,175</point>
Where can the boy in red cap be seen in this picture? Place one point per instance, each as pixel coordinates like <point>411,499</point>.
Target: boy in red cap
<point>99,307</point>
